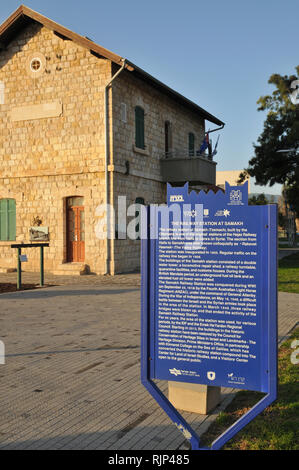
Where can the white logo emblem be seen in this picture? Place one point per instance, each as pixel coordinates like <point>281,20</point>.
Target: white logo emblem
<point>234,379</point>
<point>235,197</point>
<point>223,213</point>
<point>211,375</point>
<point>175,372</point>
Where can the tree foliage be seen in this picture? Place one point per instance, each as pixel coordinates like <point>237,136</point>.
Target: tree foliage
<point>259,200</point>
<point>282,220</point>
<point>281,131</point>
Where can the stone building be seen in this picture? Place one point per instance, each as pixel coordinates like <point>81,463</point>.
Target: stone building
<point>230,177</point>
<point>80,126</point>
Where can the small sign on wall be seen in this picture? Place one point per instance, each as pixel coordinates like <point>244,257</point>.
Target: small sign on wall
<point>36,111</point>
<point>23,258</point>
<point>38,234</point>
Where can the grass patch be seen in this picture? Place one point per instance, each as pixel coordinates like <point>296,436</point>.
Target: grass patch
<point>288,274</point>
<point>277,428</point>
<point>286,245</point>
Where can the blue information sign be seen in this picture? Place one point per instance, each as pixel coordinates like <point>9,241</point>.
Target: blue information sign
<point>209,264</point>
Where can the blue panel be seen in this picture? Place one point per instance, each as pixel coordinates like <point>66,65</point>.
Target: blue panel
<point>210,304</point>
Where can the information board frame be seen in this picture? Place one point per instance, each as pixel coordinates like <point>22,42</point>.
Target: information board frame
<point>148,292</point>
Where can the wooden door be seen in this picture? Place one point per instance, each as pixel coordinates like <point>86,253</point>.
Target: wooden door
<point>75,232</point>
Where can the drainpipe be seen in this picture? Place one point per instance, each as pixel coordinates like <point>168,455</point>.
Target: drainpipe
<point>214,130</point>
<point>108,256</point>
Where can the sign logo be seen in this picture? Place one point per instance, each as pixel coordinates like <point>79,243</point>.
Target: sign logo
<point>175,372</point>
<point>235,197</point>
<point>223,213</point>
<point>234,379</point>
<point>176,198</point>
<point>211,375</point>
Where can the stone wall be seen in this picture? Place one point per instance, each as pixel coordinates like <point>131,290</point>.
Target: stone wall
<point>45,197</point>
<point>158,108</point>
<point>44,161</point>
<point>144,175</point>
<point>62,153</point>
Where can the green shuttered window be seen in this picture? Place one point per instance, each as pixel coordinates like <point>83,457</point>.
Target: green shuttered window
<point>7,219</point>
<point>191,144</point>
<point>139,127</point>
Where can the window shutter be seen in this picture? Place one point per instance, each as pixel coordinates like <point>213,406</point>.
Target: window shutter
<point>168,138</point>
<point>7,219</point>
<point>191,144</point>
<point>3,220</point>
<point>139,127</point>
<point>11,219</point>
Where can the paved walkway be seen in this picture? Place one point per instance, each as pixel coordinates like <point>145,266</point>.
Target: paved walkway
<point>71,378</point>
<point>283,252</point>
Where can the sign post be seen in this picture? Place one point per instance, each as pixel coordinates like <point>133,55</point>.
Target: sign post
<point>209,297</point>
<point>23,259</point>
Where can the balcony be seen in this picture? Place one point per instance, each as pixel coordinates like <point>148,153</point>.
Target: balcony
<point>179,167</point>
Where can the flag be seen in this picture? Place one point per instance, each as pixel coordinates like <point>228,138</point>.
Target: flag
<point>215,149</point>
<point>205,144</point>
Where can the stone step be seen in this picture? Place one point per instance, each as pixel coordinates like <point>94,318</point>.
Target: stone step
<point>71,269</point>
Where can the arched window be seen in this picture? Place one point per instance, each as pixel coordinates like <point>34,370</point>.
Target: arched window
<point>139,127</point>
<point>191,144</point>
<point>7,219</point>
<point>168,138</point>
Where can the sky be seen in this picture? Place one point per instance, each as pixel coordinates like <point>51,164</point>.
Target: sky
<point>220,54</point>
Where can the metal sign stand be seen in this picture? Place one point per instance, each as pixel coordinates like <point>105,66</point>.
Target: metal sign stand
<point>19,247</point>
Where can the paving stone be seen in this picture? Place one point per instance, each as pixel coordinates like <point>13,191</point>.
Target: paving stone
<point>72,373</point>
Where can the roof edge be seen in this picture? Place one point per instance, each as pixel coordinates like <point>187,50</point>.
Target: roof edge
<point>146,76</point>
<point>26,12</point>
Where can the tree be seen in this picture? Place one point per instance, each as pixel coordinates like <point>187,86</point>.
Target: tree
<point>282,220</point>
<point>259,200</point>
<point>281,131</point>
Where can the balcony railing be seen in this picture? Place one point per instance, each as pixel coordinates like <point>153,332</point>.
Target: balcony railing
<point>180,166</point>
<point>186,154</point>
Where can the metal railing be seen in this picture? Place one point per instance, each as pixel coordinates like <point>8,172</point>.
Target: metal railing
<point>185,154</point>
